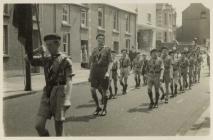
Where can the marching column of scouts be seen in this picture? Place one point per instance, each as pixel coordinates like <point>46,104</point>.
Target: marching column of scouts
<point>164,68</point>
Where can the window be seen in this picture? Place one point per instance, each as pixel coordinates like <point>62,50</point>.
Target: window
<point>149,17</point>
<point>100,17</point>
<point>66,42</point>
<point>84,18</point>
<point>115,20</point>
<point>5,40</point>
<point>165,19</point>
<point>127,18</point>
<point>6,9</point>
<point>203,14</point>
<point>165,36</point>
<point>65,14</point>
<point>127,44</point>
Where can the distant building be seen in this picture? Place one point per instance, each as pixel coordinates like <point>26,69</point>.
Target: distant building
<point>195,23</point>
<point>146,26</point>
<point>156,22</point>
<point>166,21</point>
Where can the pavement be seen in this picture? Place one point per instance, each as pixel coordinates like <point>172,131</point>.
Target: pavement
<point>128,115</point>
<point>12,88</point>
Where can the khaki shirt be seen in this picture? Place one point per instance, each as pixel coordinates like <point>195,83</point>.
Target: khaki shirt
<point>167,60</point>
<point>100,60</point>
<point>155,66</point>
<point>124,62</point>
<point>51,65</point>
<point>137,63</point>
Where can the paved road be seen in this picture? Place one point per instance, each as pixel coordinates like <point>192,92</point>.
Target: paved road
<point>127,115</point>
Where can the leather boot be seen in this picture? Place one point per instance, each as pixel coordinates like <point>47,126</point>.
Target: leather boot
<point>116,90</point>
<point>156,99</point>
<point>151,99</point>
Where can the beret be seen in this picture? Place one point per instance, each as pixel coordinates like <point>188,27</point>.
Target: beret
<point>52,37</point>
<point>99,35</point>
<point>153,50</point>
<point>164,48</point>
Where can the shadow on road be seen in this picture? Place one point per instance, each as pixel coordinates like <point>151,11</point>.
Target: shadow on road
<point>85,106</point>
<point>133,110</point>
<point>85,118</point>
<point>204,124</point>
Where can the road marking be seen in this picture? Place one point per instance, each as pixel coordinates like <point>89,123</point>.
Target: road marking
<point>179,101</point>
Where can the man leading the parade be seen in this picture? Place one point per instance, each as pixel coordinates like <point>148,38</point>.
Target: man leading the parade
<point>101,62</point>
<point>56,94</point>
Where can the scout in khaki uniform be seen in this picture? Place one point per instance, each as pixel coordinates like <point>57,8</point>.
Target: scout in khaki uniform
<point>191,69</point>
<point>137,67</point>
<point>144,68</point>
<point>124,70</point>
<point>176,67</point>
<point>161,83</point>
<point>195,68</point>
<point>199,62</point>
<point>114,76</point>
<point>171,54</point>
<point>167,61</point>
<point>55,99</point>
<point>101,62</point>
<point>184,65</point>
<point>155,76</point>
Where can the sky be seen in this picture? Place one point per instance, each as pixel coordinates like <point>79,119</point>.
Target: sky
<point>179,7</point>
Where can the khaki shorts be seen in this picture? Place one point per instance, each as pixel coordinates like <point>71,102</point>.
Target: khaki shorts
<point>53,106</point>
<point>153,80</point>
<point>176,77</point>
<point>167,77</point>
<point>137,70</point>
<point>124,72</point>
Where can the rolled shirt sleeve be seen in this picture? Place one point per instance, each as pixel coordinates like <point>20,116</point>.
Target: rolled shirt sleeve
<point>68,69</point>
<point>68,89</point>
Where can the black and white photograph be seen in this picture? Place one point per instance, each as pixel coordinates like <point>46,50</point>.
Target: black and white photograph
<point>106,69</point>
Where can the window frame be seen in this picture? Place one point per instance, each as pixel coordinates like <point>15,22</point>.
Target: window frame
<point>165,19</point>
<point>6,9</point>
<point>149,17</point>
<point>115,20</point>
<point>127,22</point>
<point>66,14</point>
<point>127,44</point>
<point>101,9</point>
<point>84,19</point>
<point>67,43</point>
<point>5,40</point>
<point>203,15</point>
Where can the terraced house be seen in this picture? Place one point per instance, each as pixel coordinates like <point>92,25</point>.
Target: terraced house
<point>77,24</point>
